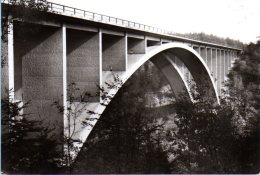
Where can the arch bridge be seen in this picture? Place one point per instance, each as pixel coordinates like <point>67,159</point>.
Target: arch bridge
<point>70,45</point>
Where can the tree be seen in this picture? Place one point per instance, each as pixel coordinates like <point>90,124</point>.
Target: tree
<point>213,39</point>
<point>243,89</point>
<point>23,11</point>
<point>225,138</point>
<point>27,146</point>
<point>127,137</point>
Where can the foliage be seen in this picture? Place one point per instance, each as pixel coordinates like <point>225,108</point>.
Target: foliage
<point>23,11</point>
<point>225,138</point>
<point>75,108</point>
<point>126,139</point>
<point>27,146</point>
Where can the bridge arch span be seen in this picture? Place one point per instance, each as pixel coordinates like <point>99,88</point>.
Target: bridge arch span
<point>162,56</point>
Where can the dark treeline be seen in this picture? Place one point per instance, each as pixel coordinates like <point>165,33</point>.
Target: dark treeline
<point>213,39</point>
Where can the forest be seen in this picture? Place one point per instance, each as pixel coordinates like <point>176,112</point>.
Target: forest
<point>213,39</point>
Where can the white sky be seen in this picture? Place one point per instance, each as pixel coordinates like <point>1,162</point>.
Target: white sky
<point>237,19</point>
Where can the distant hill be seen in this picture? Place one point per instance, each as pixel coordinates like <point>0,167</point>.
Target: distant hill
<point>213,39</point>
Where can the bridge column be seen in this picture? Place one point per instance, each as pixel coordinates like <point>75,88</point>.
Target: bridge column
<point>214,65</point>
<point>203,53</point>
<point>8,70</point>
<point>236,54</point>
<point>233,56</point>
<point>223,68</point>
<point>38,73</point>
<point>218,69</point>
<point>229,59</point>
<point>198,50</point>
<point>226,64</point>
<point>5,75</point>
<point>209,59</point>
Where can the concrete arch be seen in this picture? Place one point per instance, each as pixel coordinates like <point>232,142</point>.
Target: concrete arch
<point>161,57</point>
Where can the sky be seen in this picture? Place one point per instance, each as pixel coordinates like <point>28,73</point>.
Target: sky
<point>236,19</point>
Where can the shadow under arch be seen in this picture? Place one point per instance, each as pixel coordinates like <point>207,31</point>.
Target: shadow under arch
<point>161,56</point>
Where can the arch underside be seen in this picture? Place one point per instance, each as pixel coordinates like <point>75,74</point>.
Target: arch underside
<point>163,58</point>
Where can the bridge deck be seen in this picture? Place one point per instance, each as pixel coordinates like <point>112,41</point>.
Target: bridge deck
<point>114,21</point>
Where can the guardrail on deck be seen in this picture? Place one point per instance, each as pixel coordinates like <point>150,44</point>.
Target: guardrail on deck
<point>84,14</point>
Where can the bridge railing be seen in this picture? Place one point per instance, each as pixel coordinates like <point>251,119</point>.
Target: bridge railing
<point>79,13</point>
<point>75,12</point>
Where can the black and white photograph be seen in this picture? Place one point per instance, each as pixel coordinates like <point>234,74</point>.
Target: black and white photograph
<point>130,86</point>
